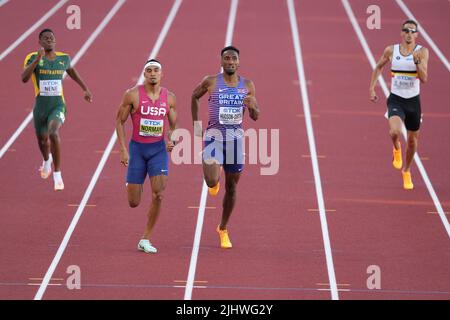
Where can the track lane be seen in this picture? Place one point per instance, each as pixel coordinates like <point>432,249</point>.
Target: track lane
<point>378,225</point>
<point>434,94</point>
<point>43,218</point>
<point>130,274</point>
<point>277,245</point>
<point>69,41</point>
<point>433,16</point>
<point>18,17</point>
<point>435,113</point>
<point>375,222</point>
<point>434,157</point>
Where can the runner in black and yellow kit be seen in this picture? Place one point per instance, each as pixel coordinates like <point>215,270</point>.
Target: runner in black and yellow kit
<point>409,68</point>
<point>46,67</point>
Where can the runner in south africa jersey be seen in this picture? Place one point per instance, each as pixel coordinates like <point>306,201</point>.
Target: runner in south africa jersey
<point>47,81</point>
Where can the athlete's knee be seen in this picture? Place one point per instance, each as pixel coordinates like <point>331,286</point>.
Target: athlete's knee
<point>230,189</point>
<point>412,142</point>
<point>133,203</point>
<point>43,141</point>
<point>211,182</point>
<point>53,134</point>
<point>158,196</point>
<point>395,133</point>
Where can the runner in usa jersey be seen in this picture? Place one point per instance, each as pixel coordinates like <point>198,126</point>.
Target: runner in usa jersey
<point>150,117</point>
<point>230,95</point>
<point>153,114</point>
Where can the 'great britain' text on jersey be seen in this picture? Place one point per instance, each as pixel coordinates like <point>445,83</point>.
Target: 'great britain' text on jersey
<point>226,109</point>
<point>231,99</point>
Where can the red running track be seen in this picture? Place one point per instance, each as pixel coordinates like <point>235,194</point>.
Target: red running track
<point>376,222</point>
<point>278,247</point>
<point>18,18</point>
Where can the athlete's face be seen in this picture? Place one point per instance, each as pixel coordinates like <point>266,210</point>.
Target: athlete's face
<point>47,41</point>
<point>409,33</point>
<point>230,62</point>
<point>153,75</point>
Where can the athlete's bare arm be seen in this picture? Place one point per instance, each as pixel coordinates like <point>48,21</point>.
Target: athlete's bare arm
<point>126,106</point>
<point>421,60</point>
<point>172,117</point>
<point>73,73</point>
<point>206,85</point>
<point>385,58</point>
<point>250,100</point>
<point>28,71</point>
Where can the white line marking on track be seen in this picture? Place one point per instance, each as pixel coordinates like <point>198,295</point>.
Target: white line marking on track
<point>196,246</point>
<point>313,152</point>
<point>112,141</point>
<point>76,58</point>
<point>419,164</point>
<point>32,29</point>
<point>424,33</point>
<point>204,195</point>
<point>231,22</point>
<point>3,2</point>
<point>102,162</point>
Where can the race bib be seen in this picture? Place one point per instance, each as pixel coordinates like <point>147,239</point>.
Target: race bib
<point>230,115</point>
<point>50,88</point>
<point>151,128</point>
<point>403,82</point>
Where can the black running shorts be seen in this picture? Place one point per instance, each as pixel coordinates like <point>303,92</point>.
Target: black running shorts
<point>407,109</point>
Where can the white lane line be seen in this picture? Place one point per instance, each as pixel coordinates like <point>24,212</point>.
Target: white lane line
<point>76,58</point>
<point>195,249</point>
<point>3,2</point>
<point>32,29</point>
<point>313,151</point>
<point>417,160</point>
<point>204,195</point>
<point>16,134</point>
<point>112,141</point>
<point>231,22</point>
<point>424,33</point>
<point>97,173</point>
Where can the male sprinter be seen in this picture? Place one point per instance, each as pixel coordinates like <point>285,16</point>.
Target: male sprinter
<point>46,68</point>
<point>409,62</point>
<point>149,104</point>
<point>229,96</point>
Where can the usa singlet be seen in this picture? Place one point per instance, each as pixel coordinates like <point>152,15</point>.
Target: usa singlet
<point>149,119</point>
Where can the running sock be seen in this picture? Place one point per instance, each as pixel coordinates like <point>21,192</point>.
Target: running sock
<point>59,184</point>
<point>48,164</point>
<point>57,176</point>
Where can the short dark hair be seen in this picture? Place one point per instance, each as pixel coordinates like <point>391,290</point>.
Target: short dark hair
<point>410,22</point>
<point>45,30</point>
<point>229,48</point>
